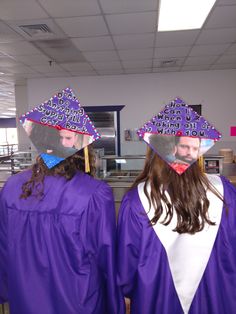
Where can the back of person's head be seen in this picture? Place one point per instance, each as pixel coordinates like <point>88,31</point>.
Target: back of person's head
<point>67,169</point>
<point>187,193</point>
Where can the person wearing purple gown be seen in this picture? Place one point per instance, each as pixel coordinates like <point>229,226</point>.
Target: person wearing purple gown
<point>57,241</point>
<point>176,241</point>
<point>177,225</point>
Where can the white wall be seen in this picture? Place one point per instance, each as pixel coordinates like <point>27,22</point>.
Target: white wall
<point>145,95</point>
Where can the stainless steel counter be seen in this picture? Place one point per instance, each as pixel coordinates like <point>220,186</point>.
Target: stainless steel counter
<point>229,171</point>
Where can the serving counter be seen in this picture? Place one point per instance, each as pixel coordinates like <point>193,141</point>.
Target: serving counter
<point>120,173</point>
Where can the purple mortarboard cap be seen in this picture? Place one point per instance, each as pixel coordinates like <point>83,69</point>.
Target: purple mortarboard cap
<point>59,127</point>
<point>179,135</point>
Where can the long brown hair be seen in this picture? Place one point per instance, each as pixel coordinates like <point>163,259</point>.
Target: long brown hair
<point>67,168</point>
<point>187,193</point>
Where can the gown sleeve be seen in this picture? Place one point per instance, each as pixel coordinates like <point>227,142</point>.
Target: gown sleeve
<point>3,250</point>
<point>129,232</point>
<point>102,238</point>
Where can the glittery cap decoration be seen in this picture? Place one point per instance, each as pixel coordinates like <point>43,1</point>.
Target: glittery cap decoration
<point>59,127</point>
<point>179,135</point>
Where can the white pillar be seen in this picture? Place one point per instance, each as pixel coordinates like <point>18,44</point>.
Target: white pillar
<point>21,100</point>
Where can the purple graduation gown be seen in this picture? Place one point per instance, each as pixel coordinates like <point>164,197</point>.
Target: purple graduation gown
<point>144,272</point>
<point>57,254</point>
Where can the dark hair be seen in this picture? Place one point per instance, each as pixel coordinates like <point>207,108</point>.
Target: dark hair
<point>66,168</point>
<point>187,193</point>
<point>177,138</point>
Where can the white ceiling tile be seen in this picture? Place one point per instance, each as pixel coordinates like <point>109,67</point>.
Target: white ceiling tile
<point>137,64</point>
<point>171,52</point>
<point>137,70</point>
<point>114,65</point>
<point>19,69</point>
<point>200,60</point>
<point>6,85</point>
<point>223,66</point>
<point>8,79</point>
<point>163,70</point>
<point>231,59</point>
<point>20,82</point>
<point>132,23</point>
<point>27,75</point>
<point>231,50</point>
<point>18,48</point>
<point>178,38</point>
<point>172,62</point>
<point>37,59</point>
<point>8,62</point>
<point>94,43</point>
<point>96,56</point>
<point>84,26</point>
<point>207,50</point>
<point>7,34</point>
<point>57,74</point>
<point>54,68</point>
<point>110,72</point>
<point>61,51</point>
<point>226,2</point>
<point>60,8</point>
<point>217,36</point>
<point>21,10</point>
<point>125,6</point>
<point>136,54</point>
<point>76,66</point>
<point>3,72</point>
<point>89,73</point>
<point>195,68</point>
<point>83,73</point>
<point>222,17</point>
<point>134,41</point>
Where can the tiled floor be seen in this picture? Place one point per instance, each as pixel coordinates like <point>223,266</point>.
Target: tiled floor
<point>4,309</point>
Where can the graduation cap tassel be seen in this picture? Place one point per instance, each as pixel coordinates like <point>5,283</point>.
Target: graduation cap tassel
<point>201,163</point>
<point>86,159</point>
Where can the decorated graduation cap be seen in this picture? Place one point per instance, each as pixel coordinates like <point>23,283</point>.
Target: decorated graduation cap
<point>59,128</point>
<point>179,135</point>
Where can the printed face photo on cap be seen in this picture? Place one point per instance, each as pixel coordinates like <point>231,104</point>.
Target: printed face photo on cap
<point>44,138</point>
<point>187,148</point>
<point>178,150</point>
<point>67,138</point>
<point>174,149</point>
<point>62,143</point>
<point>70,139</point>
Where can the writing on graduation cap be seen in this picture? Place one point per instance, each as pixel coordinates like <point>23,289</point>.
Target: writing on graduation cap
<point>52,114</point>
<point>190,132</point>
<point>170,121</point>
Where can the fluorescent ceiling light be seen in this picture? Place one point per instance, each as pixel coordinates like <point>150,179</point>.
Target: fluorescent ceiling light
<point>11,109</point>
<point>8,113</point>
<point>183,14</point>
